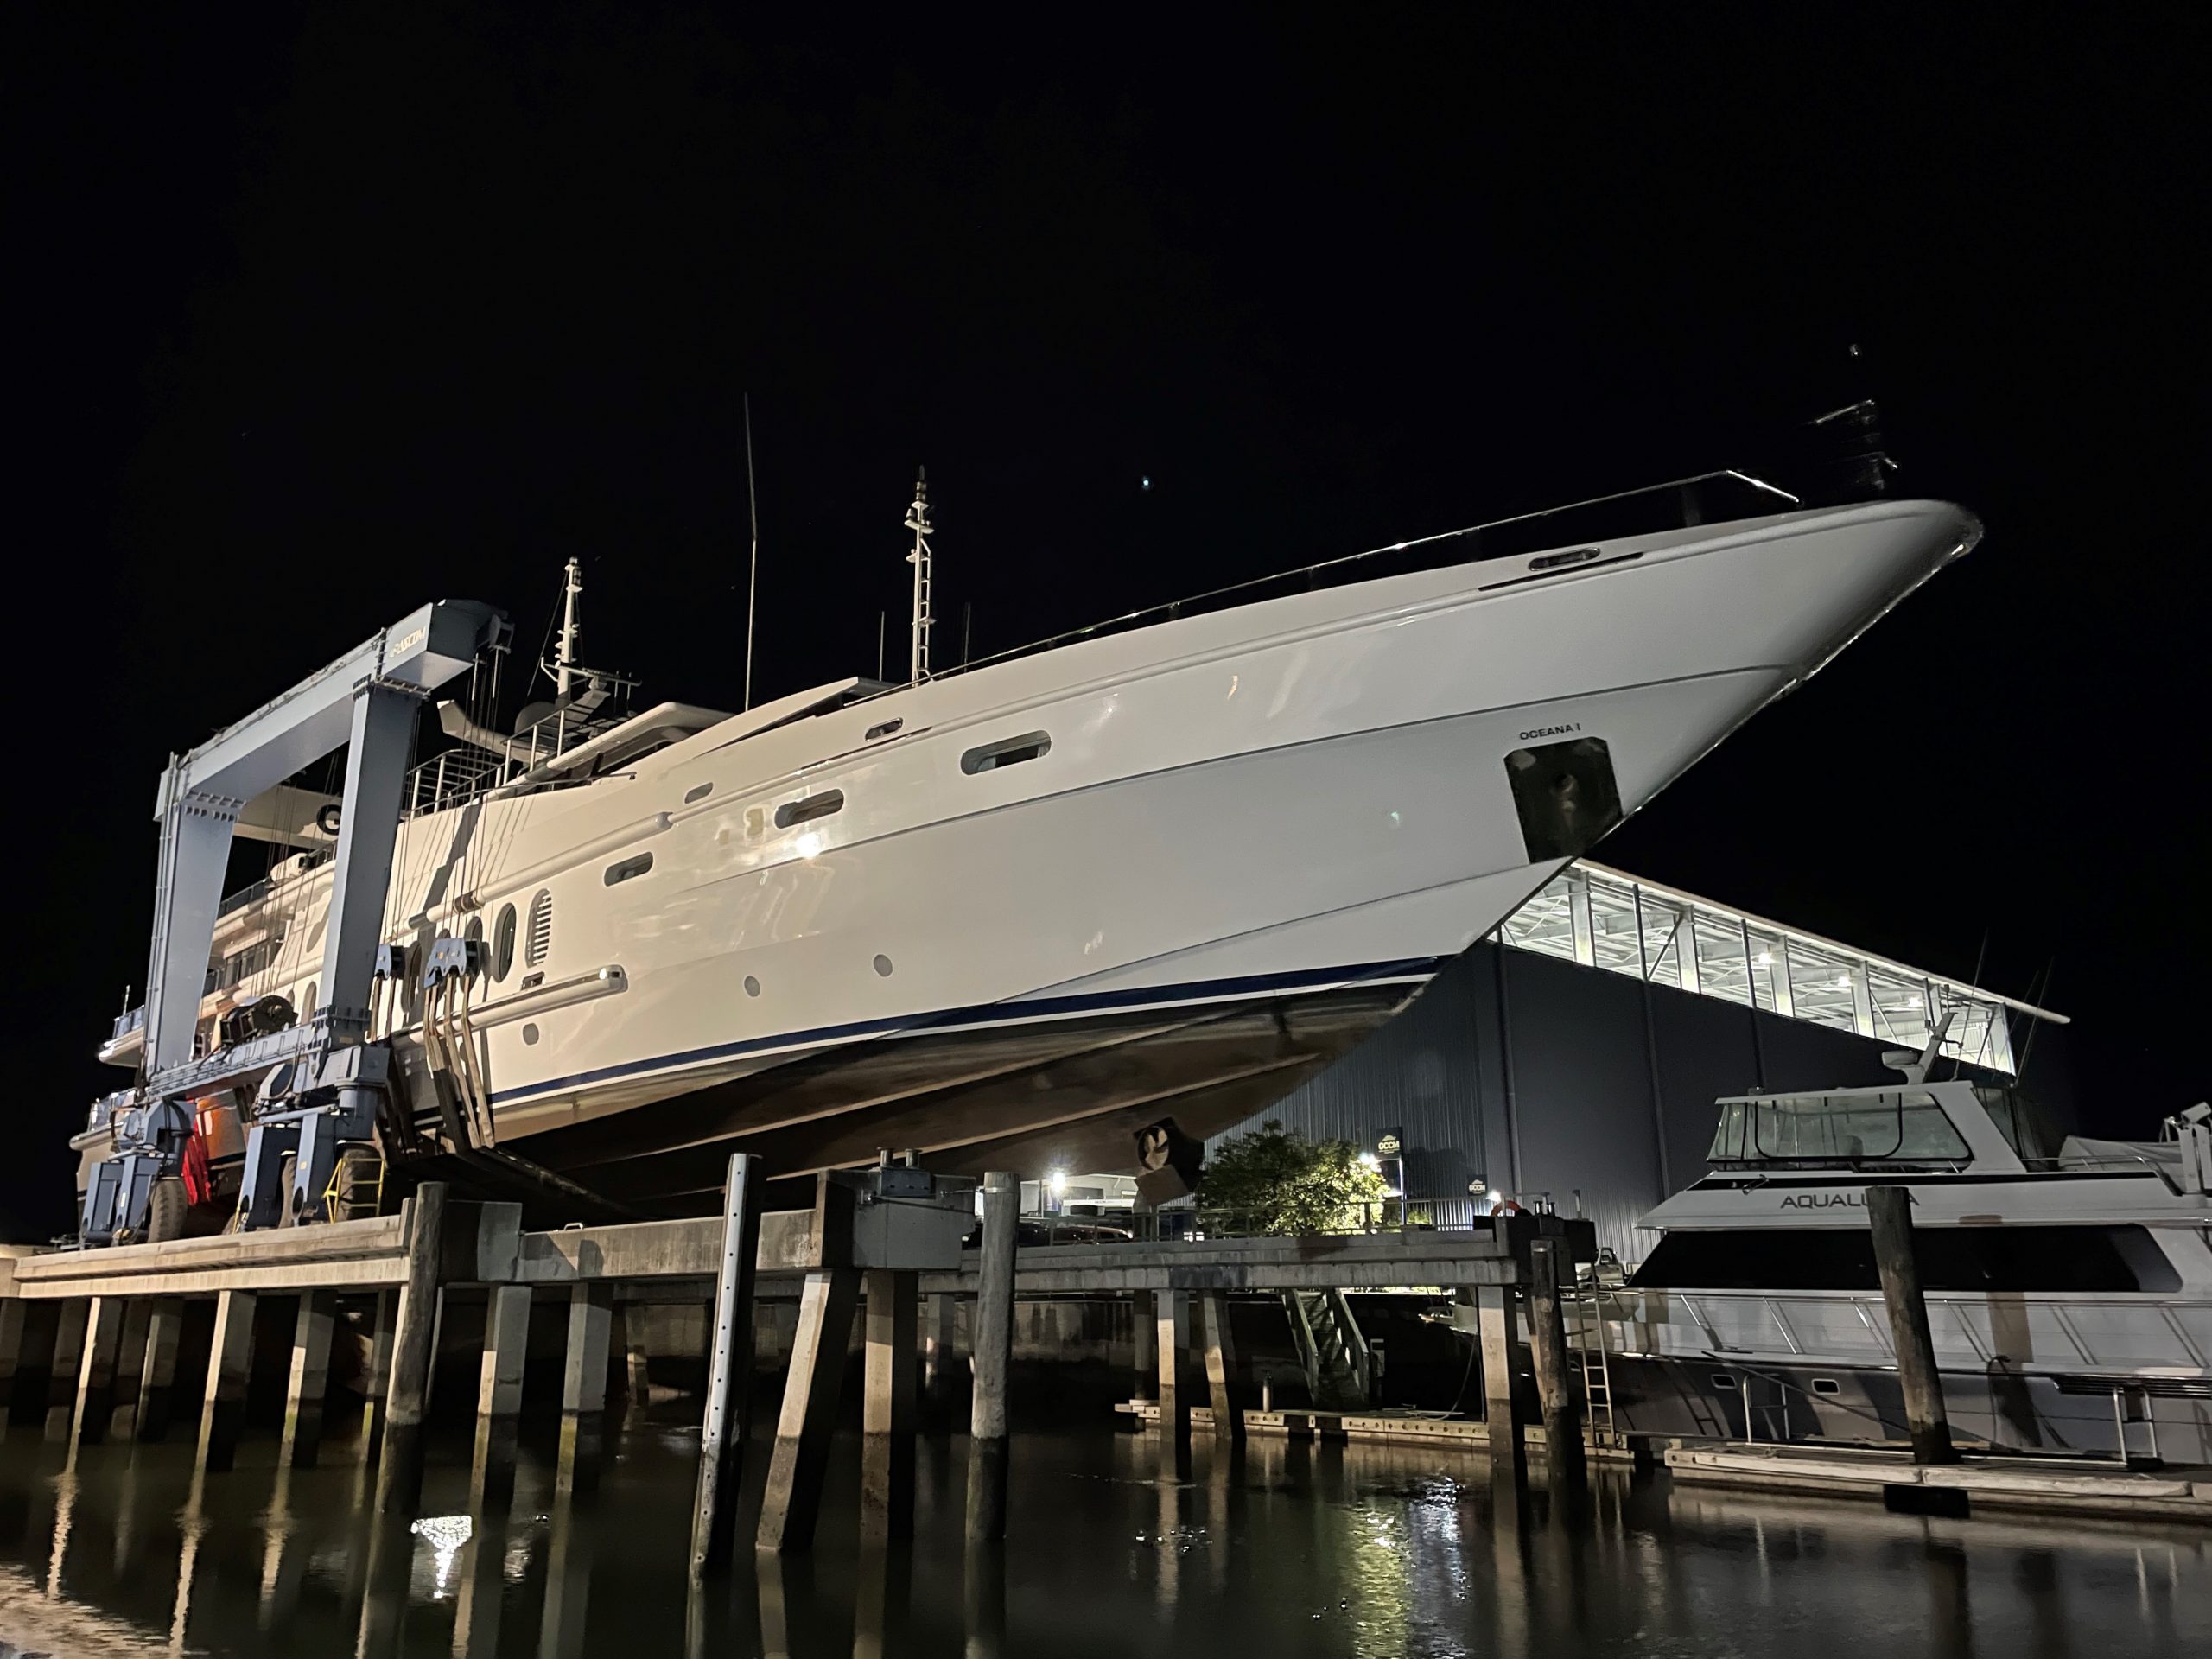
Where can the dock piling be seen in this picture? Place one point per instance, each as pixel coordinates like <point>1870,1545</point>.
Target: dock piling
<point>793,1500</point>
<point>583,1380</point>
<point>887,1405</point>
<point>376,1383</point>
<point>96,1372</point>
<point>1173,1336</point>
<point>1508,1451</point>
<point>1221,1367</point>
<point>498,1391</point>
<point>1145,1319</point>
<point>130,1368</point>
<point>729,1371</point>
<point>311,1377</point>
<point>991,1345</point>
<point>1889,1212</point>
<point>157,1375</point>
<point>230,1362</point>
<point>399,1470</point>
<point>13,1320</point>
<point>940,1348</point>
<point>69,1360</point>
<point>1564,1455</point>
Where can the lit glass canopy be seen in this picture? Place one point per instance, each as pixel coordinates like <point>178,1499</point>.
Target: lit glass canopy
<point>1602,918</point>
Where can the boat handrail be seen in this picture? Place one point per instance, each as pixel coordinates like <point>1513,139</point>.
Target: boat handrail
<point>1691,494</point>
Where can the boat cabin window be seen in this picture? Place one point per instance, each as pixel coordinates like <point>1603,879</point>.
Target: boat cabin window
<point>2022,1122</point>
<point>1897,1125</point>
<point>2050,1259</point>
<point>629,868</point>
<point>812,807</point>
<point>1006,752</point>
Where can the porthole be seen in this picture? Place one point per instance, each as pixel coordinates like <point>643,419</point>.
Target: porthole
<point>529,1034</point>
<point>540,940</point>
<point>752,986</point>
<point>628,869</point>
<point>883,966</point>
<point>1724,1380</point>
<point>503,944</point>
<point>883,730</point>
<point>805,810</point>
<point>1006,752</point>
<point>1826,1385</point>
<point>697,792</point>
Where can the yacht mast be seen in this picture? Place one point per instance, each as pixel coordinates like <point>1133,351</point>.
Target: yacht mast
<point>918,521</point>
<point>565,658</point>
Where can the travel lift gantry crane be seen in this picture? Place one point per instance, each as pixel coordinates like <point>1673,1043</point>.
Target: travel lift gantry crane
<point>321,1080</point>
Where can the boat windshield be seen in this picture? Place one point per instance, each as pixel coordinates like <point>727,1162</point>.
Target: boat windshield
<point>1904,1126</point>
<point>2024,1125</point>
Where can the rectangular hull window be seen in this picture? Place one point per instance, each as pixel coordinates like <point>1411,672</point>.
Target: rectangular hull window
<point>1008,751</point>
<point>812,807</point>
<point>1565,796</point>
<point>628,869</point>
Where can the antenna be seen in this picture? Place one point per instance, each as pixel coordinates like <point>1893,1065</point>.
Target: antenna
<point>752,582</point>
<point>572,587</point>
<point>918,521</point>
<point>882,627</point>
<point>967,627</point>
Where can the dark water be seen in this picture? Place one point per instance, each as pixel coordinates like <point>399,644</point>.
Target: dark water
<point>1113,1550</point>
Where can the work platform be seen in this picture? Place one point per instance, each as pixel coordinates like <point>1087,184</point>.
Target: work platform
<point>2050,1485</point>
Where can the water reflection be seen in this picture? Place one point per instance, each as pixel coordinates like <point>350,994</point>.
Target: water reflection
<point>1118,1544</point>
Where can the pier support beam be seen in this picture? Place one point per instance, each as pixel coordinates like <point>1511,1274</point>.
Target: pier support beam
<point>310,1377</point>
<point>793,1500</point>
<point>399,1472</point>
<point>888,1406</point>
<point>230,1362</point>
<point>1494,1317</point>
<point>630,1333</point>
<point>1889,1212</point>
<point>940,1349</point>
<point>96,1372</point>
<point>1564,1459</point>
<point>12,1347</point>
<point>729,1374</point>
<point>1173,1326</point>
<point>130,1368</point>
<point>157,1375</point>
<point>376,1383</point>
<point>991,1345</point>
<point>1145,1319</point>
<point>1221,1367</point>
<point>69,1360</point>
<point>583,1381</point>
<point>498,1390</point>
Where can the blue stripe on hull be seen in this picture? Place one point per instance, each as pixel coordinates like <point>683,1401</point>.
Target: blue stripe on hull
<point>995,1013</point>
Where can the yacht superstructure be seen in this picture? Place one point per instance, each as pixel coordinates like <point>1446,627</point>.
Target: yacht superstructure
<point>2069,1282</point>
<point>1073,908</point>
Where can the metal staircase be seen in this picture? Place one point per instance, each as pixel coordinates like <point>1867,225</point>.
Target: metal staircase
<point>1339,1370</point>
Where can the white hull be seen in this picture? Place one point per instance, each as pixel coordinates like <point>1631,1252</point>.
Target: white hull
<point>1243,811</point>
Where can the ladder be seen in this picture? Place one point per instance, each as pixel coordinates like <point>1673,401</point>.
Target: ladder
<point>1589,1348</point>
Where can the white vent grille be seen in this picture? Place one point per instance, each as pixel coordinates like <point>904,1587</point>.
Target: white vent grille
<point>541,929</point>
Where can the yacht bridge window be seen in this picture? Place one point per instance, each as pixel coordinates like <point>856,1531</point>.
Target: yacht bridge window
<point>1894,1126</point>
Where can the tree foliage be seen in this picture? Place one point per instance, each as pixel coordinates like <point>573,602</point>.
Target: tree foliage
<point>1274,1180</point>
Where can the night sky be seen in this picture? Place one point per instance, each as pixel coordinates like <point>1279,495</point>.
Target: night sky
<point>316,313</point>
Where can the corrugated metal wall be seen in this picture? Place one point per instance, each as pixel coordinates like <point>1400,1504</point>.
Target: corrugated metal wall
<point>1550,1078</point>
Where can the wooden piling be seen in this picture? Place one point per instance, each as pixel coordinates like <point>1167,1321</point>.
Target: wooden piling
<point>157,1374</point>
<point>792,1499</point>
<point>1494,1315</point>
<point>887,1405</point>
<point>95,1372</point>
<point>583,1381</point>
<point>1889,1212</point>
<point>1173,1326</point>
<point>1221,1367</point>
<point>230,1362</point>
<point>399,1470</point>
<point>940,1349</point>
<point>729,1373</point>
<point>308,1379</point>
<point>1564,1459</point>
<point>991,1345</point>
